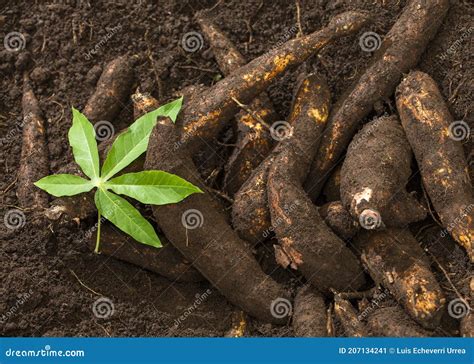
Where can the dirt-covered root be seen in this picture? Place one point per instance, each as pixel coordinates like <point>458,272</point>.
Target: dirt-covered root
<point>143,103</point>
<point>435,140</point>
<point>374,175</point>
<point>347,316</point>
<point>466,327</point>
<point>400,51</point>
<point>308,243</point>
<point>34,161</point>
<point>254,141</point>
<point>394,322</point>
<point>339,219</point>
<point>166,261</point>
<point>394,259</point>
<point>112,90</point>
<point>201,233</point>
<point>309,313</point>
<point>250,214</point>
<point>239,325</point>
<point>332,187</point>
<point>204,120</point>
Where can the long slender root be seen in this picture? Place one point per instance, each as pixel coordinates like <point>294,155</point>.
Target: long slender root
<point>34,161</point>
<point>400,51</point>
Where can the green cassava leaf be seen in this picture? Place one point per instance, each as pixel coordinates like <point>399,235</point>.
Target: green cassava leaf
<point>84,146</point>
<point>64,185</point>
<point>134,141</point>
<point>152,187</point>
<point>126,217</point>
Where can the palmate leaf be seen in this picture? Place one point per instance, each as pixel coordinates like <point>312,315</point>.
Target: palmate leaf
<point>132,143</point>
<point>84,146</point>
<point>64,185</point>
<point>126,217</point>
<point>152,187</point>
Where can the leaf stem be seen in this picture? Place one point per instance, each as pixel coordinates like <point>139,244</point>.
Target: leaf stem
<point>97,242</point>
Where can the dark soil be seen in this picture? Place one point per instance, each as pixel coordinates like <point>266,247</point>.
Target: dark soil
<point>50,282</point>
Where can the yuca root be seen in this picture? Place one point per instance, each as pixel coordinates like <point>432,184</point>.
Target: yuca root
<point>202,235</point>
<point>310,246</point>
<point>253,139</point>
<point>398,53</point>
<point>166,261</point>
<point>434,139</point>
<point>394,322</point>
<point>339,220</point>
<point>374,175</point>
<point>332,187</point>
<point>394,259</point>
<point>112,90</point>
<point>239,325</point>
<point>309,317</point>
<point>34,161</point>
<point>347,316</point>
<point>204,120</point>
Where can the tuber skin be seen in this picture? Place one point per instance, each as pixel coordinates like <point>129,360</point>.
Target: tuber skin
<point>339,220</point>
<point>308,243</point>
<point>400,51</point>
<point>332,187</point>
<point>347,316</point>
<point>202,121</point>
<point>374,175</point>
<point>166,261</point>
<point>253,139</point>
<point>34,161</point>
<point>394,322</point>
<point>309,317</point>
<point>212,247</point>
<point>112,90</point>
<point>394,259</point>
<point>443,166</point>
